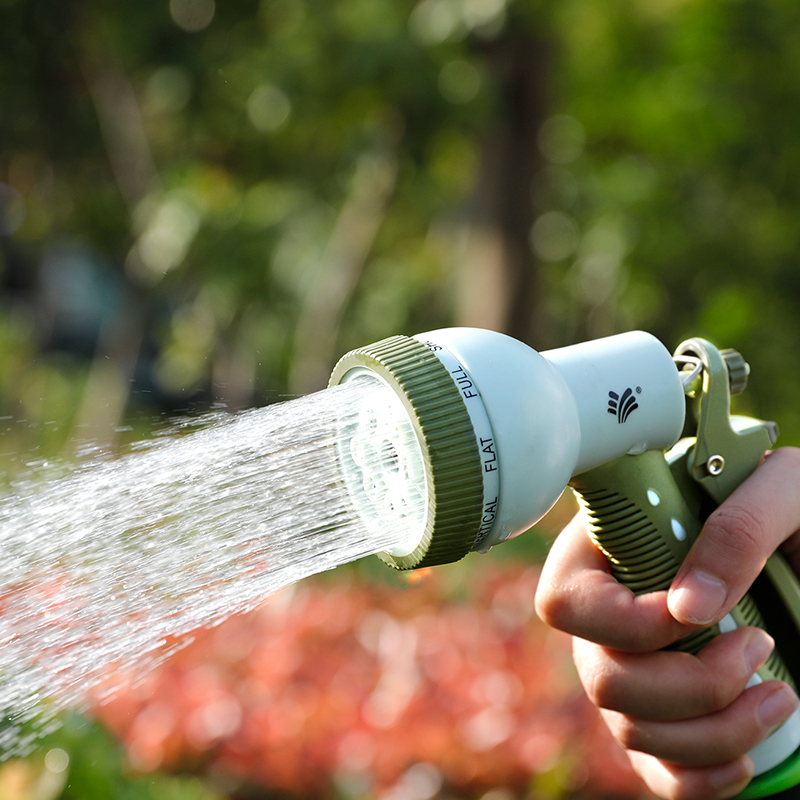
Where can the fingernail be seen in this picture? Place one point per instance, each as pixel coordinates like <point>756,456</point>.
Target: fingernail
<point>698,599</point>
<point>758,650</point>
<point>777,706</point>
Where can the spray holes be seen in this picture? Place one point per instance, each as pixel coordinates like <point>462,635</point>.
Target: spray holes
<point>370,421</point>
<point>389,459</point>
<point>399,506</point>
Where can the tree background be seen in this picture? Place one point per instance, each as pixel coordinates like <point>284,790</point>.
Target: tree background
<point>206,203</point>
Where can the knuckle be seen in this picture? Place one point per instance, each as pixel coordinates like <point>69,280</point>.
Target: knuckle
<point>728,743</point>
<point>735,531</point>
<point>605,681</point>
<point>598,684</point>
<point>737,741</point>
<point>716,687</point>
<point>626,732</point>
<point>552,606</point>
<point>715,695</point>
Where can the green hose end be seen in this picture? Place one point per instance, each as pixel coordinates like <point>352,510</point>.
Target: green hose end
<point>443,429</point>
<point>778,779</point>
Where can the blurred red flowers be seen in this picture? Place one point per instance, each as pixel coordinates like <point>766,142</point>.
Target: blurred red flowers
<point>373,691</point>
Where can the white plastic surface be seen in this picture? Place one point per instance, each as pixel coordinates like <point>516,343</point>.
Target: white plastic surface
<point>627,392</point>
<point>533,418</point>
<point>561,412</point>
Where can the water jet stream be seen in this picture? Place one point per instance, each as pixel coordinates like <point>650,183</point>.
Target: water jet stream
<point>105,564</point>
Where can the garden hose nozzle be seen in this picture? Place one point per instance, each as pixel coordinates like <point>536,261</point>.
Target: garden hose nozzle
<point>480,435</point>
<point>488,431</point>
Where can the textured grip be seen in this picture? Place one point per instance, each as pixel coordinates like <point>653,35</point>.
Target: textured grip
<point>638,518</point>
<point>646,511</point>
<point>644,525</point>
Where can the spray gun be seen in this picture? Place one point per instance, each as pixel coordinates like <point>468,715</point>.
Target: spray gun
<point>481,434</point>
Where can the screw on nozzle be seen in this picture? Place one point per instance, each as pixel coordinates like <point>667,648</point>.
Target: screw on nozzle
<point>738,370</point>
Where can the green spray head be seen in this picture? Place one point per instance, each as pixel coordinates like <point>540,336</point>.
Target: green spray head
<point>482,433</point>
<point>421,445</point>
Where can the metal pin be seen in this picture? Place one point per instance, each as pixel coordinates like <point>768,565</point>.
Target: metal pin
<point>715,465</point>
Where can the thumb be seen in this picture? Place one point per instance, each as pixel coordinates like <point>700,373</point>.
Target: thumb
<point>737,539</point>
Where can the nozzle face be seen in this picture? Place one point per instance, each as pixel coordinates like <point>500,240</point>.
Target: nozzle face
<point>418,443</point>
<point>381,463</point>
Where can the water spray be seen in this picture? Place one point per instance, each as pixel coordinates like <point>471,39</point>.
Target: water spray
<point>480,436</point>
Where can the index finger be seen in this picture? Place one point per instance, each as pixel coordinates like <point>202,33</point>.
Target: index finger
<point>577,594</point>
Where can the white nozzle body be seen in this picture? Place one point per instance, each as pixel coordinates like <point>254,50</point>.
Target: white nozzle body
<point>533,417</point>
<point>628,395</point>
<point>561,412</point>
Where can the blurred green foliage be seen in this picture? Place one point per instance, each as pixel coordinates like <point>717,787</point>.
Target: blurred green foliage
<point>221,198</point>
<point>207,202</point>
<point>686,193</point>
<point>82,761</point>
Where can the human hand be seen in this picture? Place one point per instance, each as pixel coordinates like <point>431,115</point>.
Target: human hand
<point>686,721</point>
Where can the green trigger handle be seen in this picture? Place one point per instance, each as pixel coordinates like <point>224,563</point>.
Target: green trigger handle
<point>645,511</point>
